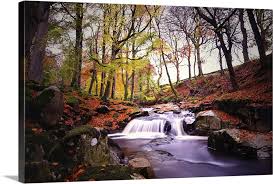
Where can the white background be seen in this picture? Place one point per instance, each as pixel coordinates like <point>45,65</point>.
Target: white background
<point>9,89</point>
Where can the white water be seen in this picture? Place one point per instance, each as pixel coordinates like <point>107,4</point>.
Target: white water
<point>152,126</point>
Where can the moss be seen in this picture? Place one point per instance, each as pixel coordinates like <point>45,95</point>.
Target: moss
<point>111,172</point>
<point>84,129</point>
<point>167,99</point>
<point>95,155</point>
<point>72,101</point>
<point>115,115</point>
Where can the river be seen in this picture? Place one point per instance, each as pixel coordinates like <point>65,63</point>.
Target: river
<point>173,154</point>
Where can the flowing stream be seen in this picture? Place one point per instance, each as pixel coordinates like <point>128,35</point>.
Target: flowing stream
<point>173,154</point>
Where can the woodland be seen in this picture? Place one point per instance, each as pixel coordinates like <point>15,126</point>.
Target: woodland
<point>89,70</point>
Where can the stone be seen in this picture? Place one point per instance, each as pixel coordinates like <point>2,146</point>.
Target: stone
<point>49,103</point>
<point>188,125</point>
<point>207,121</point>
<point>103,109</point>
<point>176,111</point>
<point>212,120</point>
<point>94,154</point>
<point>142,166</point>
<point>94,142</point>
<point>244,143</point>
<point>138,114</point>
<point>167,127</point>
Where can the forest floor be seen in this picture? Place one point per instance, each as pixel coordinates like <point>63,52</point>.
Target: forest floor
<point>110,115</point>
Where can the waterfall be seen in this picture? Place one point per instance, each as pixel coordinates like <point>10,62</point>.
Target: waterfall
<point>157,125</point>
<point>138,125</point>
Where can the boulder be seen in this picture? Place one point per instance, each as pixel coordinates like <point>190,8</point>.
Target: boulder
<point>138,114</point>
<point>167,127</point>
<point>206,121</point>
<point>244,143</point>
<point>188,125</point>
<point>141,166</point>
<point>98,149</point>
<point>211,120</point>
<point>103,109</point>
<point>49,104</point>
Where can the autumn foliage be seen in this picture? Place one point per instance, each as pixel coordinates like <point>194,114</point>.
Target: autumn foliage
<point>255,86</point>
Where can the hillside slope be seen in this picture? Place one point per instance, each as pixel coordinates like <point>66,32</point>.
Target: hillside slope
<point>255,86</point>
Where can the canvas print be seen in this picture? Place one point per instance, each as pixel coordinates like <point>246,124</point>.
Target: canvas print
<point>125,91</point>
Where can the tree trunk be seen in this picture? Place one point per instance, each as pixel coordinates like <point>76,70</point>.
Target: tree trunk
<point>97,86</point>
<point>113,86</point>
<point>220,60</point>
<point>110,76</point>
<point>133,73</point>
<point>194,64</point>
<point>228,58</point>
<point>93,78</point>
<point>126,85</point>
<point>102,83</point>
<point>94,69</point>
<point>189,58</point>
<point>36,26</point>
<point>177,63</point>
<point>133,86</point>
<point>199,64</point>
<point>177,73</point>
<point>108,87</point>
<point>164,61</point>
<point>189,66</point>
<point>159,72</point>
<point>168,75</point>
<point>140,79</point>
<point>244,33</point>
<point>76,80</point>
<point>257,35</point>
<point>103,55</point>
<point>126,81</point>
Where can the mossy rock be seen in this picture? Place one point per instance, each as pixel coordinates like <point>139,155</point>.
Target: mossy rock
<point>43,99</point>
<point>110,172</point>
<point>74,133</point>
<point>49,105</point>
<point>35,86</point>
